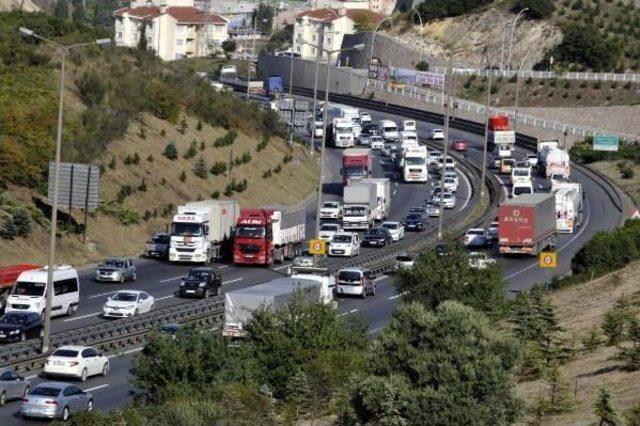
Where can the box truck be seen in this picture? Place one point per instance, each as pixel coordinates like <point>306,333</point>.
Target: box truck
<point>383,194</point>
<point>200,228</point>
<point>269,234</point>
<point>554,161</point>
<point>568,206</point>
<point>357,164</point>
<point>527,224</point>
<point>360,201</point>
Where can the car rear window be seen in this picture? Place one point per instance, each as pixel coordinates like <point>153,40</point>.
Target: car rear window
<point>65,353</point>
<point>390,225</point>
<point>404,258</point>
<point>475,232</point>
<point>45,391</point>
<point>349,276</point>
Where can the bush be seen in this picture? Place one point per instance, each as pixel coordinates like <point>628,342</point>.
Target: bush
<point>226,140</point>
<point>215,195</point>
<point>263,143</point>
<point>170,151</point>
<point>267,174</point>
<point>112,163</point>
<point>538,9</point>
<point>123,215</point>
<point>437,9</point>
<point>199,125</point>
<point>125,191</point>
<point>200,169</point>
<point>229,46</point>
<point>92,87</point>
<point>143,186</point>
<point>587,48</point>
<point>150,158</point>
<point>8,230</point>
<point>422,66</point>
<point>287,158</point>
<point>626,170</point>
<point>142,133</point>
<point>597,85</point>
<point>163,133</point>
<point>192,151</point>
<point>183,176</point>
<point>277,169</point>
<point>22,221</point>
<point>183,126</point>
<point>218,167</point>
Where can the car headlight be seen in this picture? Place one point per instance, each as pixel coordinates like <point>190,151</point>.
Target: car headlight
<point>202,285</point>
<point>182,284</point>
<point>14,332</point>
<point>130,307</point>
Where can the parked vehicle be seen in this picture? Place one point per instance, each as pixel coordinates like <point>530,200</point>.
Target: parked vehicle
<point>414,222</point>
<point>28,293</point>
<point>331,210</point>
<point>52,400</point>
<point>527,224</point>
<point>476,237</point>
<point>383,194</point>
<point>377,237</point>
<point>201,282</point>
<point>127,303</point>
<point>480,260</point>
<point>404,261</point>
<point>355,282</point>
<point>408,126</point>
<point>12,385</point>
<point>568,206</point>
<point>116,269</point>
<point>273,295</point>
<point>328,230</point>
<point>396,229</point>
<point>200,228</point>
<point>459,145</point>
<point>389,130</point>
<point>360,204</point>
<point>76,361</point>
<point>20,326</point>
<point>158,246</point>
<point>357,164</point>
<point>437,135</point>
<point>344,244</point>
<point>268,235</point>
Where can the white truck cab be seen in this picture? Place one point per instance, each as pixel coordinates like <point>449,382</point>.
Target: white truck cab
<point>343,133</point>
<point>414,165</point>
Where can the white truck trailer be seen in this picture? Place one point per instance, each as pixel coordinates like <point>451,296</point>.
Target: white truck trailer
<point>383,193</point>
<point>568,206</point>
<point>360,201</point>
<point>554,161</point>
<point>199,229</point>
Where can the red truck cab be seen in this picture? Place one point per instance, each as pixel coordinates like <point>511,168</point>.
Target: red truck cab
<point>253,242</point>
<point>499,122</point>
<point>357,164</point>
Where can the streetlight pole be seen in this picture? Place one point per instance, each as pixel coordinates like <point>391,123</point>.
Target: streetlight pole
<point>515,110</point>
<point>446,142</point>
<point>513,28</point>
<point>56,178</point>
<point>486,136</point>
<point>413,9</point>
<point>373,41</point>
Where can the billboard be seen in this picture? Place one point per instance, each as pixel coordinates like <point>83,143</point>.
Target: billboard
<point>504,137</point>
<point>79,185</point>
<point>432,79</point>
<point>606,143</point>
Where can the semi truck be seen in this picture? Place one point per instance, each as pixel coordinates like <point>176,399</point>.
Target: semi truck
<point>414,164</point>
<point>568,206</point>
<point>357,164</point>
<point>200,229</point>
<point>383,194</point>
<point>360,201</point>
<point>341,133</point>
<point>527,224</point>
<point>497,123</point>
<point>239,305</point>
<point>554,161</point>
<point>268,235</point>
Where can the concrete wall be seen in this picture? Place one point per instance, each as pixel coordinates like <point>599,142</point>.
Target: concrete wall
<point>385,49</point>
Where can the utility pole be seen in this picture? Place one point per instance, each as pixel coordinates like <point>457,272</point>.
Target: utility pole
<point>449,84</point>
<point>486,136</point>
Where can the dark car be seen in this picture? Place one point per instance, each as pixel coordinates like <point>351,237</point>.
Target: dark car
<point>158,246</point>
<point>443,250</point>
<point>370,129</point>
<point>201,282</point>
<point>414,222</point>
<point>377,237</point>
<point>20,326</point>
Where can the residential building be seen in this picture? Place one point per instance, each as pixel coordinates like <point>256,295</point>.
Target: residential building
<point>174,29</point>
<point>326,27</point>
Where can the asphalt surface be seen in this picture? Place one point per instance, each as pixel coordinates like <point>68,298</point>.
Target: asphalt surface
<point>162,279</point>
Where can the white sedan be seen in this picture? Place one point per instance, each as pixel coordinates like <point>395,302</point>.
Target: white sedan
<point>328,230</point>
<point>396,229</point>
<point>127,303</point>
<point>450,185</point>
<point>476,237</point>
<point>331,210</point>
<point>448,200</point>
<point>376,142</point>
<point>76,361</point>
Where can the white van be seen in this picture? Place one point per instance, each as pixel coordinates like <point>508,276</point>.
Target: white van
<point>409,136</point>
<point>389,130</point>
<point>408,126</point>
<point>521,188</point>
<point>28,294</point>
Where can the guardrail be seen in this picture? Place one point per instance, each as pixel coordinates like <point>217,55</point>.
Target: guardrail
<point>583,76</point>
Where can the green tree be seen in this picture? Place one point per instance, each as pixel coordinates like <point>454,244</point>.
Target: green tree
<point>446,366</point>
<point>560,399</point>
<point>422,66</point>
<point>200,168</point>
<point>587,48</point>
<point>8,230</point>
<point>537,9</point>
<point>632,416</point>
<point>62,9</point>
<point>618,320</point>
<point>229,46</point>
<point>22,221</point>
<point>603,408</point>
<point>92,87</point>
<point>170,151</point>
<point>183,176</point>
<point>142,38</point>
<point>437,9</point>
<point>262,18</point>
<point>435,279</point>
<point>78,11</point>
<point>631,354</point>
<point>192,151</point>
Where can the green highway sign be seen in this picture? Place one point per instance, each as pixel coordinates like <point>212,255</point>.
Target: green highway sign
<point>605,143</point>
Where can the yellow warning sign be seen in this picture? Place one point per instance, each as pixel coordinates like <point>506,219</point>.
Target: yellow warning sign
<point>548,259</point>
<point>317,247</point>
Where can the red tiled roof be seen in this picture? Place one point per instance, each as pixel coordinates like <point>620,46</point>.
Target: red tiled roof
<point>329,15</point>
<point>184,15</point>
<point>140,12</point>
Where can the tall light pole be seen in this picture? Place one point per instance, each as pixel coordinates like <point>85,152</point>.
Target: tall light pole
<point>293,104</point>
<point>414,10</point>
<point>515,110</point>
<point>449,84</point>
<point>373,41</point>
<point>25,32</point>
<point>486,136</point>
<point>253,42</point>
<point>513,28</point>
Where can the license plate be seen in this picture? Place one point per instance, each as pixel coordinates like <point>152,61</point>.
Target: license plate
<point>338,251</point>
<point>191,291</point>
<point>58,363</point>
<point>373,243</point>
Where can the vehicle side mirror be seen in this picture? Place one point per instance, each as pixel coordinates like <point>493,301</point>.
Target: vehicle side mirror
<point>20,379</point>
<point>340,172</point>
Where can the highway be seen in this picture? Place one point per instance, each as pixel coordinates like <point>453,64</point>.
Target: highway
<point>161,279</point>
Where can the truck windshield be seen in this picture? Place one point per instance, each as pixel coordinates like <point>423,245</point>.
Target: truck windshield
<point>414,161</point>
<point>26,288</point>
<point>355,211</point>
<point>355,172</point>
<point>346,129</point>
<point>390,129</point>
<point>186,229</point>
<point>250,231</point>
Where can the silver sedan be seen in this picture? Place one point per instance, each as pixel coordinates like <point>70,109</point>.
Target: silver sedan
<point>12,385</point>
<point>51,400</point>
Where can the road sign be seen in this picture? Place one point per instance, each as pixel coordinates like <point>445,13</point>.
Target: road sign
<point>606,143</point>
<point>317,247</point>
<point>383,73</point>
<point>504,137</point>
<point>548,259</point>
<point>373,71</point>
<point>432,79</point>
<point>79,186</point>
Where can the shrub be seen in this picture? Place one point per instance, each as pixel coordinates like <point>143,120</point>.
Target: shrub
<point>437,9</point>
<point>626,170</point>
<point>92,87</point>
<point>136,158</point>
<point>146,216</point>
<point>183,126</point>
<point>422,66</point>
<point>128,160</point>
<point>277,169</point>
<point>226,140</point>
<point>163,133</point>
<point>170,151</point>
<point>8,230</point>
<point>112,163</point>
<point>192,151</point>
<point>200,169</point>
<point>528,81</point>
<point>263,143</point>
<point>588,48</point>
<point>125,191</point>
<point>287,158</point>
<point>538,9</point>
<point>267,174</point>
<point>199,125</point>
<point>150,158</point>
<point>202,146</point>
<point>163,181</point>
<point>583,84</point>
<point>183,176</point>
<point>123,215</point>
<point>142,133</point>
<point>228,190</point>
<point>567,84</point>
<point>218,167</point>
<point>143,186</point>
<point>215,195</point>
<point>597,85</point>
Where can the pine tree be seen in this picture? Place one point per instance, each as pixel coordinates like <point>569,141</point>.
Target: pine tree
<point>300,395</point>
<point>170,151</point>
<point>192,151</point>
<point>8,230</point>
<point>202,146</point>
<point>199,125</point>
<point>632,416</point>
<point>78,11</point>
<point>135,159</point>
<point>200,169</point>
<point>632,354</point>
<point>603,408</point>
<point>142,41</point>
<point>143,186</point>
<point>560,398</point>
<point>112,163</point>
<point>183,176</point>
<point>22,222</point>
<point>62,9</point>
<point>183,126</point>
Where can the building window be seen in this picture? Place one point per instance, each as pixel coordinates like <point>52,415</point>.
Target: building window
<point>313,50</point>
<point>179,42</point>
<point>181,28</point>
<point>313,37</point>
<point>119,35</point>
<point>328,40</point>
<point>298,49</point>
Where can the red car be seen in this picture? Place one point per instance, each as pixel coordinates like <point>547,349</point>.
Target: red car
<point>459,145</point>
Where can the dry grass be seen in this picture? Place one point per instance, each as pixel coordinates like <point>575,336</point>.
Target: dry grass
<point>106,236</point>
<point>580,309</point>
<point>630,186</point>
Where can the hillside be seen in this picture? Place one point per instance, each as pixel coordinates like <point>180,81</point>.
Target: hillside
<point>26,5</point>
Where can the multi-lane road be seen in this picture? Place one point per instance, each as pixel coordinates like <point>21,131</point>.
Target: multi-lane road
<point>161,279</point>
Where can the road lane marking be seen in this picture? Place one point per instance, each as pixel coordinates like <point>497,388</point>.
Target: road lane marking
<point>95,388</point>
<point>164,297</point>
<point>381,277</point>
<point>102,294</point>
<point>171,279</point>
<point>130,351</point>
<point>223,266</point>
<point>232,281</point>
<point>82,317</point>
<point>468,192</point>
<point>375,330</point>
<point>353,311</point>
<point>398,295</point>
<point>31,377</point>
<point>280,267</point>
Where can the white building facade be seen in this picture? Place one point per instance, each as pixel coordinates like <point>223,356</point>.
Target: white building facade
<point>174,29</point>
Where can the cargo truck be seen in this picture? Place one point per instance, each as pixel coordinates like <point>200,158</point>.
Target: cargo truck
<point>554,161</point>
<point>360,201</point>
<point>268,235</point>
<point>357,164</point>
<point>414,164</point>
<point>383,194</point>
<point>341,133</point>
<point>239,305</point>
<point>527,224</point>
<point>568,206</point>
<point>200,228</point>
<point>497,123</point>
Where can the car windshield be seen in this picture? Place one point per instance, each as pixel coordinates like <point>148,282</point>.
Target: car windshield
<point>250,231</point>
<point>376,231</point>
<point>349,276</point>
<point>520,172</point>
<point>390,225</point>
<point>375,139</point>
<point>413,217</point>
<point>437,131</point>
<point>432,206</point>
<point>45,391</point>
<point>331,205</point>
<point>404,258</point>
<point>475,232</point>
<point>26,288</point>
<point>341,239</point>
<point>197,275</point>
<point>447,196</point>
<point>519,190</point>
<point>66,353</point>
<point>414,161</point>
<point>160,239</point>
<point>354,211</point>
<point>186,229</point>
<point>446,181</point>
<point>114,263</point>
<point>329,227</point>
<point>355,120</point>
<point>508,162</point>
<point>125,297</point>
<point>14,318</point>
<point>390,129</point>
